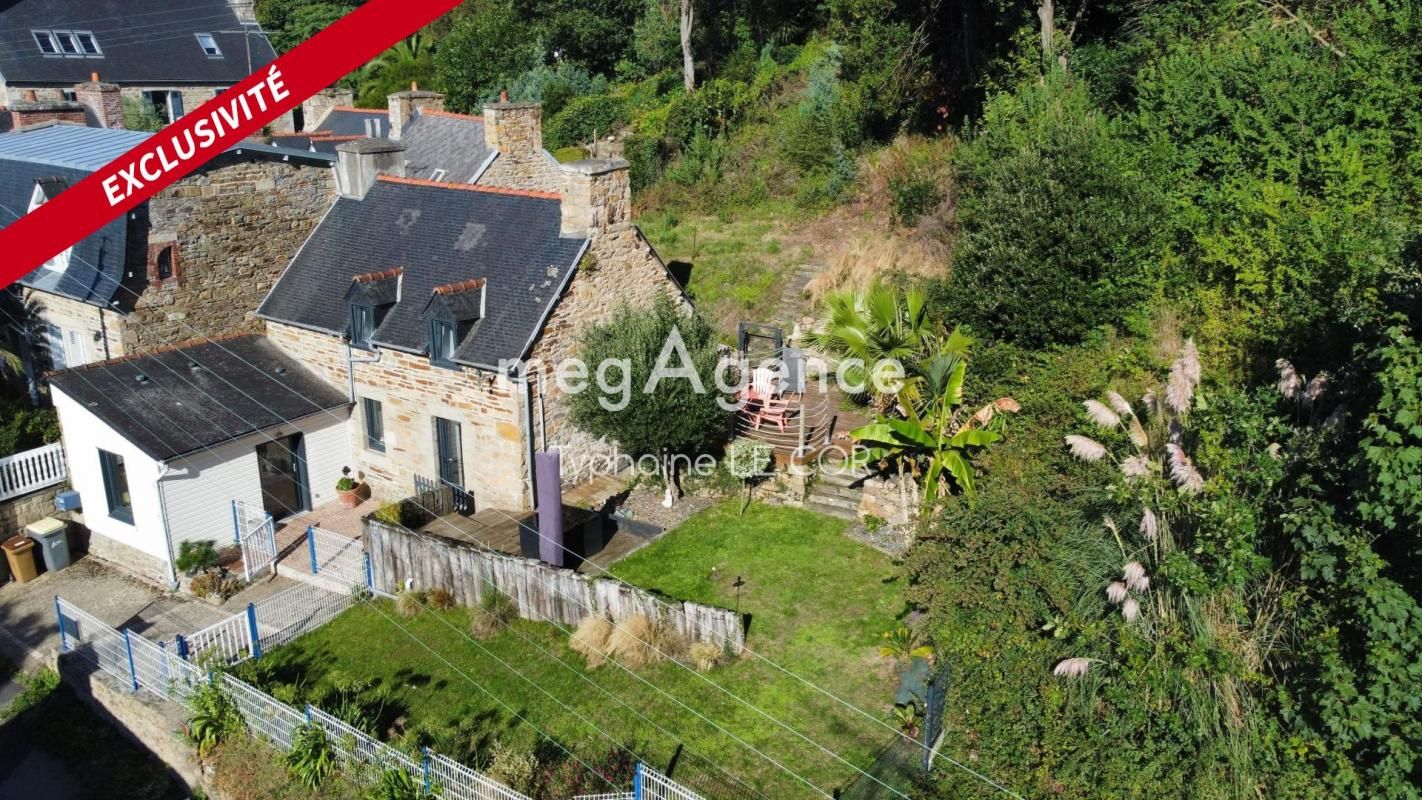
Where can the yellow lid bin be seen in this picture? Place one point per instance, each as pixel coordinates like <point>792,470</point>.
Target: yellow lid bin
<point>52,537</point>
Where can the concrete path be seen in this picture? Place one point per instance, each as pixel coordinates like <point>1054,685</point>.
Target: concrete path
<point>28,635</point>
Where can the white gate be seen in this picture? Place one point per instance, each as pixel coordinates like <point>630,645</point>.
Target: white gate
<point>256,534</point>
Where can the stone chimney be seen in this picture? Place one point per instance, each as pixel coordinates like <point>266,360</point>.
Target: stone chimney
<point>513,129</point>
<point>246,10</point>
<point>30,112</point>
<point>315,107</point>
<point>359,162</point>
<point>403,106</point>
<point>103,101</point>
<point>597,196</point>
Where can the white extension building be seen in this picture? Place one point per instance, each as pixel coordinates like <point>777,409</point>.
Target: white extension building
<point>159,447</point>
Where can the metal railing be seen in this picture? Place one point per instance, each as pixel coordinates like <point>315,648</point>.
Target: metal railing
<point>652,785</point>
<point>340,559</point>
<point>32,470</point>
<point>225,642</point>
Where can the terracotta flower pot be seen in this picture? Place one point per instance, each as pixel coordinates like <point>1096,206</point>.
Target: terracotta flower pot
<point>350,498</point>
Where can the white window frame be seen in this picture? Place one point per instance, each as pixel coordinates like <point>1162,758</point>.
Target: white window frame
<point>439,174</point>
<point>61,37</point>
<point>93,40</point>
<point>47,36</point>
<point>206,40</point>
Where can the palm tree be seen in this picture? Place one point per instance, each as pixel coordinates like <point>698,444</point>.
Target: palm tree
<point>879,324</point>
<point>410,60</point>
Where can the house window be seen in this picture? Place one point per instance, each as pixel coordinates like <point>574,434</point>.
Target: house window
<point>439,174</point>
<point>67,45</point>
<point>87,43</point>
<point>374,424</point>
<point>209,45</point>
<point>163,264</point>
<point>362,325</point>
<point>442,343</point>
<point>46,42</point>
<point>116,486</point>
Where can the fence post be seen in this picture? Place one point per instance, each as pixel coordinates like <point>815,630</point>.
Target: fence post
<point>182,643</point>
<point>425,766</point>
<point>311,546</point>
<point>308,714</point>
<point>167,676</point>
<point>59,617</point>
<point>369,574</point>
<point>637,782</point>
<point>236,531</point>
<point>252,628</point>
<point>128,646</point>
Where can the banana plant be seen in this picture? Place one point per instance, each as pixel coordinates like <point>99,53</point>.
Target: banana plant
<point>932,439</point>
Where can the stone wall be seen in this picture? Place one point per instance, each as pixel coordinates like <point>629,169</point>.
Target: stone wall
<point>123,557</point>
<point>413,393</point>
<point>317,106</point>
<point>515,130</point>
<point>236,224</point>
<point>537,171</point>
<point>101,330</point>
<point>18,512</point>
<point>144,719</point>
<point>620,268</point>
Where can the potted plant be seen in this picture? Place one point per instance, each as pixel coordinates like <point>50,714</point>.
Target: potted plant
<point>349,489</point>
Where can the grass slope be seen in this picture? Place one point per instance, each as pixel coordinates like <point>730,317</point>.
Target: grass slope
<point>819,602</point>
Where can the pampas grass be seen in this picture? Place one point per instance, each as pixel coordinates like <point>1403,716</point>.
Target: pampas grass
<point>1289,380</point>
<point>1130,610</point>
<point>442,599</point>
<point>494,612</point>
<point>590,639</point>
<point>1116,593</point>
<point>705,656</point>
<point>1072,667</point>
<point>1120,404</point>
<point>1101,415</point>
<point>1085,448</point>
<point>1315,388</point>
<point>1135,467</point>
<point>631,641</point>
<point>409,602</point>
<point>1150,526</point>
<point>1183,471</point>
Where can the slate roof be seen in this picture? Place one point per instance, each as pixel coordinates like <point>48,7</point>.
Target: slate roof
<point>347,121</point>
<point>437,140</point>
<point>198,395</point>
<point>68,153</point>
<point>152,42</point>
<point>439,234</point>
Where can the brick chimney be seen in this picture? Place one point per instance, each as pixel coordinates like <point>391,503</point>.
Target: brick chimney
<point>513,129</point>
<point>32,111</point>
<point>103,101</point>
<point>403,106</point>
<point>315,107</point>
<point>597,196</point>
<point>359,162</point>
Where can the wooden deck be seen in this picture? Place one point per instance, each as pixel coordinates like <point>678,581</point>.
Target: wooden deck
<point>500,530</point>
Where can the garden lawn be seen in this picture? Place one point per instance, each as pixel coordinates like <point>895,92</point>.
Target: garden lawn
<point>818,600</point>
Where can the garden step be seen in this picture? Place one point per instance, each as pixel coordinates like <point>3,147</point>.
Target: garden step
<point>846,479</point>
<point>831,511</point>
<point>850,504</point>
<point>832,490</point>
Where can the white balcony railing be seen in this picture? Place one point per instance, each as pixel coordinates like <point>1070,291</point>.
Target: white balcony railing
<point>32,470</point>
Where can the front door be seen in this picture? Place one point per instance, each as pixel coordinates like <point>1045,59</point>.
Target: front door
<point>281,465</point>
<point>449,451</point>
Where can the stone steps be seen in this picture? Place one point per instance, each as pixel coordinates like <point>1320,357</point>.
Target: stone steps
<point>831,511</point>
<point>820,489</point>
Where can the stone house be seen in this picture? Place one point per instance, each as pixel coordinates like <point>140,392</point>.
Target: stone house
<point>442,307</point>
<point>170,55</point>
<point>193,261</point>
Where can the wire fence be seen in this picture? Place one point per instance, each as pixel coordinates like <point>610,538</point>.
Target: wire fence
<point>338,559</point>
<point>653,785</point>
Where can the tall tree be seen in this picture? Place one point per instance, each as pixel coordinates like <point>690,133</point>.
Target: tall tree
<point>688,66</point>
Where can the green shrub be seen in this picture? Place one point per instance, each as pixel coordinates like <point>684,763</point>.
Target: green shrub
<point>1058,225</point>
<point>400,513</point>
<point>196,556</point>
<point>712,109</point>
<point>554,86</point>
<point>214,717</point>
<point>24,428</point>
<point>583,117</point>
<point>214,584</point>
<point>495,612</point>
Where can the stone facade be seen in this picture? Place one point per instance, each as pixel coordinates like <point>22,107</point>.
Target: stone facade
<point>403,105</point>
<point>515,130</point>
<point>620,268</point>
<point>27,114</point>
<point>193,96</point>
<point>317,106</point>
<point>412,392</point>
<point>123,557</point>
<point>99,330</point>
<point>233,227</point>
<point>104,101</point>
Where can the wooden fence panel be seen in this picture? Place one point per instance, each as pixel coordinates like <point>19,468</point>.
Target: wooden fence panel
<point>542,592</point>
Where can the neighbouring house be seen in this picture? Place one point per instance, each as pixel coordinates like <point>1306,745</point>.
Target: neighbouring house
<point>159,446</point>
<point>195,260</point>
<point>169,55</point>
<point>419,298</point>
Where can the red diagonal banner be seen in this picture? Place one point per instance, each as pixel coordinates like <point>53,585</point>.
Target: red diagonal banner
<point>208,130</point>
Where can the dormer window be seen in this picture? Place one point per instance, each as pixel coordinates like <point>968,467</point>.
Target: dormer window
<point>362,325</point>
<point>67,43</point>
<point>87,43</point>
<point>452,312</point>
<point>444,340</point>
<point>369,298</point>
